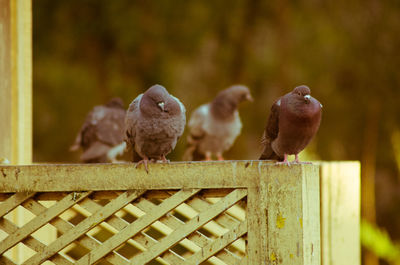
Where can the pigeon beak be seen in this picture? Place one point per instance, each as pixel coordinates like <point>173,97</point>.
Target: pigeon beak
<point>161,105</point>
<point>249,98</point>
<point>307,98</point>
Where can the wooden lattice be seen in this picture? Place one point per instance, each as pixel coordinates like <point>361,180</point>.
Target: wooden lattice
<point>235,212</point>
<point>188,226</point>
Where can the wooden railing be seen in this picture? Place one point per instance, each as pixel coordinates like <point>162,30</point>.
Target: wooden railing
<point>234,212</point>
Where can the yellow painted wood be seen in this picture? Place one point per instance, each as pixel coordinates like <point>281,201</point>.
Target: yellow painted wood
<point>218,244</point>
<point>282,207</point>
<point>64,226</point>
<point>137,226</point>
<point>228,257</point>
<point>6,261</point>
<point>16,81</point>
<point>176,175</point>
<point>84,226</point>
<point>191,226</point>
<point>30,241</point>
<point>14,201</point>
<point>340,213</point>
<point>293,228</point>
<point>40,221</point>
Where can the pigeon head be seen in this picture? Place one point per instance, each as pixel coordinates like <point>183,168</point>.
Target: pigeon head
<point>115,103</point>
<point>302,93</point>
<point>227,101</point>
<point>158,102</point>
<point>238,93</point>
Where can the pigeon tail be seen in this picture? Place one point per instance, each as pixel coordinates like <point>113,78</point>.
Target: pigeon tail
<point>269,153</point>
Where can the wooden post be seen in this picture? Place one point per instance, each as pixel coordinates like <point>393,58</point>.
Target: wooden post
<point>340,213</point>
<point>284,217</point>
<point>16,81</point>
<point>16,93</point>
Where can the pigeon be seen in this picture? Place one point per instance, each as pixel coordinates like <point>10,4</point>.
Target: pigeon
<point>215,126</point>
<point>102,134</point>
<point>154,122</point>
<point>292,123</point>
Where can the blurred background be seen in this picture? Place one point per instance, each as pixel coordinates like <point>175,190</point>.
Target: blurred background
<point>347,52</point>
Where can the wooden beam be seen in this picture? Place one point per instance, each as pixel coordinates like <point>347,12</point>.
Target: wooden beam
<point>176,175</point>
<point>340,213</point>
<point>16,81</point>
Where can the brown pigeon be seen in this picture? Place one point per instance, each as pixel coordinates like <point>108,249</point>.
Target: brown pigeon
<point>102,134</point>
<point>215,126</point>
<point>154,122</point>
<point>292,123</point>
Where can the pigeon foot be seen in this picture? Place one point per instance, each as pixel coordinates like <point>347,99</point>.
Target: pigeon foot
<point>208,156</point>
<point>144,161</point>
<point>220,157</point>
<point>284,162</point>
<point>164,159</point>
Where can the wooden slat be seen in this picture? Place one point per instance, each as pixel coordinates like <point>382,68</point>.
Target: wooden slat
<point>105,177</point>
<point>30,241</point>
<point>64,226</point>
<point>5,261</point>
<point>213,227</point>
<point>13,202</point>
<point>40,220</point>
<point>228,257</point>
<point>218,244</point>
<point>191,226</point>
<point>85,225</point>
<point>5,196</point>
<point>118,239</point>
<point>115,224</point>
<point>173,258</point>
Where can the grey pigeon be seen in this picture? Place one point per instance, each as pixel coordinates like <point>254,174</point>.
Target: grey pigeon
<point>292,123</point>
<point>154,122</point>
<point>215,126</point>
<point>102,134</point>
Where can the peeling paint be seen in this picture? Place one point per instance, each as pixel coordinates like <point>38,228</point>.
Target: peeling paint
<point>272,256</point>
<point>280,221</point>
<point>301,222</point>
<point>291,255</point>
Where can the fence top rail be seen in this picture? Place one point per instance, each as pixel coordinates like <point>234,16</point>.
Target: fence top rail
<point>175,175</point>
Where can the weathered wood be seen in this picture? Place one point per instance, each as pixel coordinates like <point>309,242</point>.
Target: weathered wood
<point>84,226</point>
<point>279,199</point>
<point>40,221</point>
<point>16,81</point>
<point>30,241</point>
<point>14,201</point>
<point>228,257</point>
<point>176,175</point>
<point>340,213</point>
<point>293,230</point>
<point>63,227</point>
<point>191,226</point>
<point>218,244</point>
<point>137,226</point>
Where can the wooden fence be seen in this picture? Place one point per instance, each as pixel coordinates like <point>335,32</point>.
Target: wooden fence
<point>244,212</point>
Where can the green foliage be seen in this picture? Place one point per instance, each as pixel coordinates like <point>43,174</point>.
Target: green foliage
<point>378,241</point>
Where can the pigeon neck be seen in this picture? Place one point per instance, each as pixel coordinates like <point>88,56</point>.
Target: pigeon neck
<point>223,108</point>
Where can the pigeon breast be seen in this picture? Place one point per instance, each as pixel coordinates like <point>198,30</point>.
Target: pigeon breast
<point>298,123</point>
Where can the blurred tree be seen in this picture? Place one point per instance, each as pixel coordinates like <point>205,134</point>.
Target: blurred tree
<point>86,51</point>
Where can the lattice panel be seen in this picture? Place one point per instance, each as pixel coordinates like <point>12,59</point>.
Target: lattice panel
<point>192,226</point>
